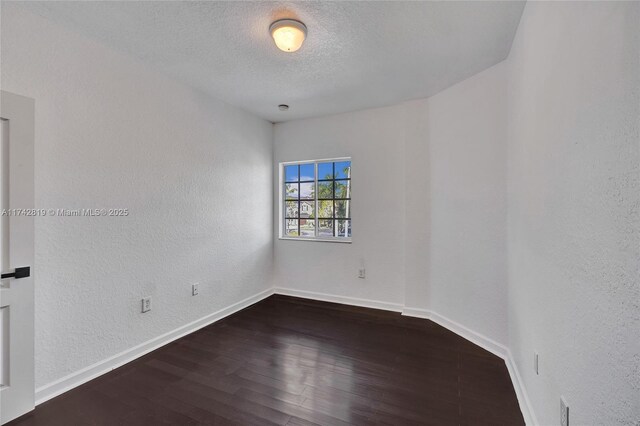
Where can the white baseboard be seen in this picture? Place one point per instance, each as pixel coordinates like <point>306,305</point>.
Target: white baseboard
<point>462,331</point>
<point>521,392</point>
<point>474,337</point>
<point>353,301</point>
<point>416,313</point>
<point>481,340</point>
<point>53,389</point>
<point>490,345</point>
<point>73,380</point>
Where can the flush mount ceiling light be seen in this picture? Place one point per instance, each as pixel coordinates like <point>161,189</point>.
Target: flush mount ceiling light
<point>288,34</point>
<point>283,107</point>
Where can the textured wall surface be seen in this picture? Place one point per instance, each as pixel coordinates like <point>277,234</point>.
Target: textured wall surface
<point>543,151</point>
<point>194,172</point>
<point>417,178</point>
<point>429,204</point>
<point>467,139</point>
<point>574,206</point>
<point>375,141</point>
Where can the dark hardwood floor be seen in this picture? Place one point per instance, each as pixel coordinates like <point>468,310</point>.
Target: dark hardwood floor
<point>290,361</point>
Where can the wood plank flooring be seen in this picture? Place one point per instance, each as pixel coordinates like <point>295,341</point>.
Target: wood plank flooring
<point>290,361</point>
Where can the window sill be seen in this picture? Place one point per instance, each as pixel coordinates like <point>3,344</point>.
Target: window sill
<point>322,240</point>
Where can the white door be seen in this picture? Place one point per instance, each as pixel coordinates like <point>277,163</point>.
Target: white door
<point>16,254</point>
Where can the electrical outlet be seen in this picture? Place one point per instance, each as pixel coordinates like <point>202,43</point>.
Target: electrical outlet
<point>564,412</point>
<point>146,304</point>
<point>535,363</point>
<point>194,289</point>
<point>361,273</point>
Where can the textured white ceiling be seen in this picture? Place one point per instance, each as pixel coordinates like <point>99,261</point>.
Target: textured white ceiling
<point>357,54</point>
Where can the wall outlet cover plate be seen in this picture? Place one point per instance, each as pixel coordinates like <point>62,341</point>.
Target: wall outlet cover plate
<point>146,304</point>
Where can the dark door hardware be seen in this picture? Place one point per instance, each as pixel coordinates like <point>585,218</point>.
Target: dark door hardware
<point>23,272</point>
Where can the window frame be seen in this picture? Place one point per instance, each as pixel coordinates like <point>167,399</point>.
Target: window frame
<point>283,199</point>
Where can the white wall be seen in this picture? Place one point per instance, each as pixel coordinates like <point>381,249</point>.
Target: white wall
<point>112,133</point>
<point>574,205</point>
<point>558,121</point>
<point>467,138</point>
<point>429,204</point>
<point>417,180</point>
<point>374,139</point>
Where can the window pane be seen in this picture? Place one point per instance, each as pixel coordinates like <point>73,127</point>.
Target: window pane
<point>343,209</point>
<point>292,209</point>
<point>291,228</point>
<point>325,189</point>
<point>307,228</point>
<point>343,228</point>
<point>343,170</point>
<point>325,209</point>
<point>317,199</point>
<point>291,190</point>
<point>343,189</point>
<point>307,172</point>
<point>307,209</point>
<point>307,190</point>
<point>325,228</point>
<point>291,173</point>
<point>325,171</point>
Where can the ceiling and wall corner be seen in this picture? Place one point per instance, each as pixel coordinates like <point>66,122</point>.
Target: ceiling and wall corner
<point>357,55</point>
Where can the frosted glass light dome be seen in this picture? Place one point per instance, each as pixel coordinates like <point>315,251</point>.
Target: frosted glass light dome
<point>288,34</point>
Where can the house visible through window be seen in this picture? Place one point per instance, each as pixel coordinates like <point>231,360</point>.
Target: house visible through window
<point>317,199</point>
